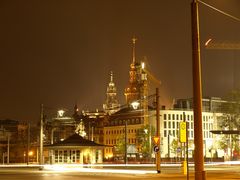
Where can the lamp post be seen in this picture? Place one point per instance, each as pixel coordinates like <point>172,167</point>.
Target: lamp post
<point>41,138</point>
<point>28,143</point>
<point>125,160</point>
<point>8,148</point>
<point>158,154</point>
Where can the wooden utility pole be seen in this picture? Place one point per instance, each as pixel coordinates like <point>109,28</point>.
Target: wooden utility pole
<point>197,95</point>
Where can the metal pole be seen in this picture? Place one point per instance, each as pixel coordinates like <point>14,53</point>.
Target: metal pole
<point>126,141</point>
<point>92,133</point>
<point>41,138</point>
<point>150,142</point>
<point>8,149</point>
<point>186,146</point>
<point>158,154</point>
<point>197,94</point>
<point>169,146</point>
<point>28,143</point>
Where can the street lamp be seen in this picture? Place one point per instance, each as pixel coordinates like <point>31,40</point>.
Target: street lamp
<point>41,139</point>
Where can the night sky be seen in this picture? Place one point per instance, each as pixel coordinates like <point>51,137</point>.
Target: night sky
<point>59,52</point>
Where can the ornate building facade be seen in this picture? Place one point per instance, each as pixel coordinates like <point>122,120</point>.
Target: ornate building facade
<point>111,104</point>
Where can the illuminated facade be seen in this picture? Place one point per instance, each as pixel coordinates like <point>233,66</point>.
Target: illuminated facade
<point>128,120</point>
<point>133,89</point>
<point>170,120</point>
<point>75,150</point>
<point>111,104</point>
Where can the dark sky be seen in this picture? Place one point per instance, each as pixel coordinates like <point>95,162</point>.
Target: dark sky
<point>58,52</point>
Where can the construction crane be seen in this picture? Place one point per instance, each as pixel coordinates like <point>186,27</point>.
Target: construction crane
<point>210,44</point>
<point>225,45</point>
<point>150,76</point>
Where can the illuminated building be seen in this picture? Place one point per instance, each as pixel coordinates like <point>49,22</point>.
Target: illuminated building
<point>130,118</point>
<point>133,89</point>
<point>75,150</point>
<point>111,104</point>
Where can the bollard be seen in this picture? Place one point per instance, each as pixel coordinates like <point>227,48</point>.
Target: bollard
<point>184,166</point>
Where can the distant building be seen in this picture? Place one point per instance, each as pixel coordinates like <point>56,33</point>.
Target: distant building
<point>111,104</point>
<point>211,104</point>
<point>13,134</point>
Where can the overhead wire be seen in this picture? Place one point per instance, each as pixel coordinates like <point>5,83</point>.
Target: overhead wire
<point>220,11</point>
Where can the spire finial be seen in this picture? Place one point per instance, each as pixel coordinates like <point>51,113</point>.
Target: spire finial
<point>134,39</point>
<point>111,76</point>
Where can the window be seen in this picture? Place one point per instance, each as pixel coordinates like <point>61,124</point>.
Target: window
<point>169,124</point>
<point>173,117</point>
<point>60,154</point>
<point>65,156</point>
<point>164,116</point>
<point>169,116</point>
<point>56,156</point>
<point>177,117</point>
<point>165,124</point>
<point>165,133</point>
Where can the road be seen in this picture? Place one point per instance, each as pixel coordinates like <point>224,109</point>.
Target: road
<point>213,172</point>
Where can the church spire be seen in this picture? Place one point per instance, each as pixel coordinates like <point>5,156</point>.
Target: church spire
<point>111,104</point>
<point>134,42</point>
<point>111,76</point>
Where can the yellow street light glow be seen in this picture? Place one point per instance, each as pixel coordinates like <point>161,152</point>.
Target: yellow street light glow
<point>143,65</point>
<point>30,153</point>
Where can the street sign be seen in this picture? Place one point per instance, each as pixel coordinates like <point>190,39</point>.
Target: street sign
<point>183,130</point>
<point>156,139</point>
<point>156,148</point>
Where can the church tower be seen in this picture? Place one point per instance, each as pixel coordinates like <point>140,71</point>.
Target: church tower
<point>111,104</point>
<point>133,89</point>
<point>137,88</point>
